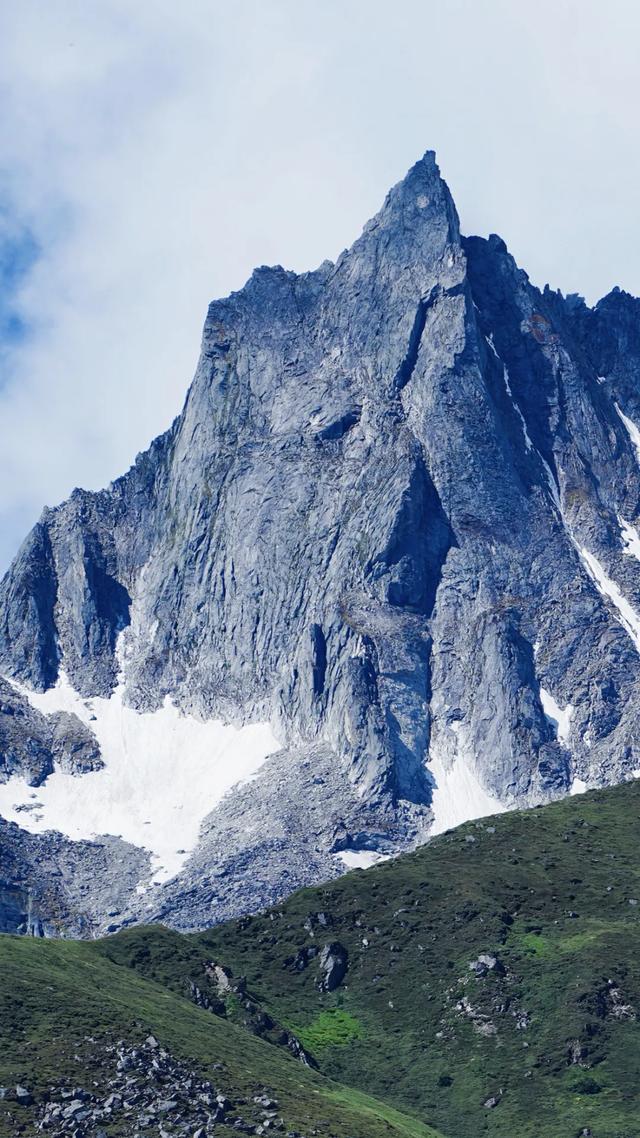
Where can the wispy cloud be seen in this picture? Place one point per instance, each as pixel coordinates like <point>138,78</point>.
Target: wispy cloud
<point>154,152</point>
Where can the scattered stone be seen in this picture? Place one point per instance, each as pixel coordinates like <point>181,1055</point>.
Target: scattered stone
<point>147,1090</point>
<point>334,962</point>
<point>486,962</point>
<point>220,978</point>
<point>302,958</point>
<point>254,1018</point>
<point>165,1105</point>
<point>492,1102</point>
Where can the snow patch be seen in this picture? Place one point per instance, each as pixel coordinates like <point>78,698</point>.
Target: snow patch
<point>553,487</point>
<point>505,373</point>
<point>489,340</point>
<point>632,431</point>
<point>627,615</point>
<point>630,538</point>
<point>560,718</point>
<point>458,795</point>
<point>361,859</point>
<point>578,786</point>
<point>163,773</point>
<point>527,440</point>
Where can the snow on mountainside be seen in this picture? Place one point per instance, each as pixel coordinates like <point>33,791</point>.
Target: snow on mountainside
<point>380,576</point>
<point>162,774</point>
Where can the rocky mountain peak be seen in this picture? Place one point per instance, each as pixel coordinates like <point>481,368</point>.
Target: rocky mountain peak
<point>393,533</point>
<point>420,202</point>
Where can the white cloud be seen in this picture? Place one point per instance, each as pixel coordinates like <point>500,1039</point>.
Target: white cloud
<point>157,151</point>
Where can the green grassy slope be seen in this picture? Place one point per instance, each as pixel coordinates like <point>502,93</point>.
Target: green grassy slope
<point>549,1035</point>
<point>61,1000</point>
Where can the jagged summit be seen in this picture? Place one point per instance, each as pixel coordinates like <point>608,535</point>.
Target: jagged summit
<point>416,224</point>
<point>391,541</point>
<point>420,201</point>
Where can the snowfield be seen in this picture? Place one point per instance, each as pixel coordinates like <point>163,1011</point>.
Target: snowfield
<point>630,538</point>
<point>361,859</point>
<point>560,718</point>
<point>163,773</point>
<point>457,795</point>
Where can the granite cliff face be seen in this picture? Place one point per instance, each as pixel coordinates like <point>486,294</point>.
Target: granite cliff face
<point>395,521</point>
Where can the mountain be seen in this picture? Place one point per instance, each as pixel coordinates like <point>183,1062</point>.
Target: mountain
<point>488,983</point>
<point>379,577</point>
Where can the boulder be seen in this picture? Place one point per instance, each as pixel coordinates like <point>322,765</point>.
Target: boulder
<point>334,961</point>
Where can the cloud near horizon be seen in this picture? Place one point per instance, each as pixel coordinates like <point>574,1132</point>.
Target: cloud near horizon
<point>154,153</point>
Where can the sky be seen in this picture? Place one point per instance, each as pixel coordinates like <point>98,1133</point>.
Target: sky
<point>152,153</point>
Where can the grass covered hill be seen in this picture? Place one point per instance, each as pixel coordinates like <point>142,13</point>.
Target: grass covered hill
<point>76,1028</point>
<point>493,979</point>
<point>488,984</point>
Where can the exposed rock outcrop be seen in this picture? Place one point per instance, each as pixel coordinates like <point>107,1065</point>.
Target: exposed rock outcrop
<point>31,744</point>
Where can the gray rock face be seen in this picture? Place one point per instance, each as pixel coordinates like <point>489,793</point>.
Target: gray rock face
<point>333,964</point>
<point>50,886</point>
<point>31,744</point>
<point>395,518</point>
<point>25,739</point>
<point>73,745</point>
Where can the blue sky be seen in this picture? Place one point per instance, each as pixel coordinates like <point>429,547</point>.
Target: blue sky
<point>153,153</point>
<point>18,254</point>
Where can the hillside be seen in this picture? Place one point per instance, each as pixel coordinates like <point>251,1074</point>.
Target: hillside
<point>493,977</point>
<point>116,1054</point>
